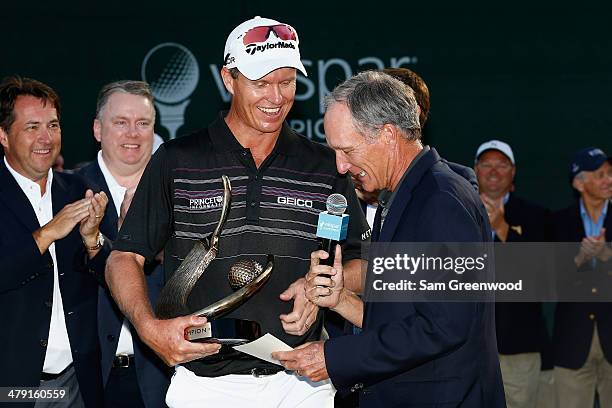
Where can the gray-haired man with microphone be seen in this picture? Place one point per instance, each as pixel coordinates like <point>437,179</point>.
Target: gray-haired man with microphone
<point>418,354</point>
<point>280,183</point>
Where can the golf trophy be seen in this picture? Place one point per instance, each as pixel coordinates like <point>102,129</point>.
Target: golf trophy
<point>246,277</point>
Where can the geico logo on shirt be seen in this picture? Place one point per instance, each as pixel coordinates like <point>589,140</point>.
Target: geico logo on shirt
<point>205,203</point>
<point>298,202</point>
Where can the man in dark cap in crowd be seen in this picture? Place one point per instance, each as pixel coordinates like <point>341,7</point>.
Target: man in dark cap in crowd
<point>582,336</point>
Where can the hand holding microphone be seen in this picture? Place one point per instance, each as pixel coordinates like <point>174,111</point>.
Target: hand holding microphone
<point>332,226</point>
<point>324,280</point>
<point>324,283</point>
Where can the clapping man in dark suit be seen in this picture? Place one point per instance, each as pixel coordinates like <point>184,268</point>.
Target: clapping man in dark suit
<point>125,117</point>
<point>416,354</point>
<point>582,336</point>
<point>52,254</point>
<point>521,330</point>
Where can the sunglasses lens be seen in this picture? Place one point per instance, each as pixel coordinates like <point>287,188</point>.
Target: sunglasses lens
<point>256,35</point>
<point>261,34</point>
<point>284,32</point>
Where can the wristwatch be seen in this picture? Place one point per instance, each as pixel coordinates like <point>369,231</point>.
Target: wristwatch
<point>99,243</point>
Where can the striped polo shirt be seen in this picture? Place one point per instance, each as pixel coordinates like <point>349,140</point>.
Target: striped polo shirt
<point>274,211</point>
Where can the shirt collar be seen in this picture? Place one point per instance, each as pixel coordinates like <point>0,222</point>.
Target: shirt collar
<point>584,214</point>
<point>25,183</point>
<point>108,176</point>
<point>224,140</point>
<point>506,198</point>
<point>116,189</point>
<point>385,198</point>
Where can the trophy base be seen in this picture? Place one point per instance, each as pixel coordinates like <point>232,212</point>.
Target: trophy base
<point>226,331</point>
<point>225,342</point>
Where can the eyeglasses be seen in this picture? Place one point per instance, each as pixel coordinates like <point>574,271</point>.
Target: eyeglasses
<point>260,34</point>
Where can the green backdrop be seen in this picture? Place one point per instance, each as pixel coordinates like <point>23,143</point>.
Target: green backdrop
<point>534,75</point>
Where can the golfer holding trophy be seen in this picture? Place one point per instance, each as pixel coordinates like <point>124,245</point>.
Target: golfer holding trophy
<point>234,207</point>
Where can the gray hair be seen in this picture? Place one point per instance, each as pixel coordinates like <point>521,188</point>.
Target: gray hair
<point>376,99</point>
<point>580,176</point>
<point>138,88</point>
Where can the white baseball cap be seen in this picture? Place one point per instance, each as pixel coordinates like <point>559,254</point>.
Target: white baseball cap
<point>260,45</point>
<point>496,145</point>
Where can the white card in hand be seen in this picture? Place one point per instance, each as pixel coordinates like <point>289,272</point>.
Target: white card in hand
<point>263,347</point>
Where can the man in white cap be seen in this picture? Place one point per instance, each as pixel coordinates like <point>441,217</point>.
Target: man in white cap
<point>280,183</point>
<point>521,332</point>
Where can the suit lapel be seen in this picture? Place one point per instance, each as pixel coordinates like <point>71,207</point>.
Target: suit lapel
<point>579,224</point>
<point>512,215</point>
<point>59,193</point>
<point>16,200</point>
<point>404,193</point>
<point>608,222</point>
<point>60,196</point>
<point>97,183</point>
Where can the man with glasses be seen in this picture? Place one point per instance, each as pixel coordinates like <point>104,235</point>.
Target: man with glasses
<point>280,183</point>
<point>520,327</point>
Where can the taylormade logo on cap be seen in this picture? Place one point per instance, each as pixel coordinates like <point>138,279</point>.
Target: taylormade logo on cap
<point>252,48</point>
<point>261,45</point>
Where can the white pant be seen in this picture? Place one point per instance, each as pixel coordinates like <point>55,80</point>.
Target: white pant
<point>279,390</point>
<point>576,388</point>
<point>520,373</point>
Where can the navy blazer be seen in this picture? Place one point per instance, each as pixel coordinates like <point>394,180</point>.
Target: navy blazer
<point>26,290</point>
<point>425,354</point>
<point>574,322</point>
<point>153,375</point>
<point>520,326</point>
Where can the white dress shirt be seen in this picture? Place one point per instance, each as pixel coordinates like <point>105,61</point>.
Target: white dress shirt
<point>371,213</point>
<point>125,345</point>
<point>58,355</point>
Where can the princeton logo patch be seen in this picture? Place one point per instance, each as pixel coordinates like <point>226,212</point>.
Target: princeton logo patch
<point>205,203</point>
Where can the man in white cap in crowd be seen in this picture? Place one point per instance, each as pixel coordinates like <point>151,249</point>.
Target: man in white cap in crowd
<point>522,338</point>
<point>280,183</point>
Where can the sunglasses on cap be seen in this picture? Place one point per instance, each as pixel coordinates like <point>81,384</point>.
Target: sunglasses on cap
<point>262,33</point>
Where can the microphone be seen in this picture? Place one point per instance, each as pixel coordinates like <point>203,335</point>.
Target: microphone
<point>332,225</point>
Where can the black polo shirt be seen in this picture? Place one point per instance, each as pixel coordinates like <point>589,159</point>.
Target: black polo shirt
<point>274,210</point>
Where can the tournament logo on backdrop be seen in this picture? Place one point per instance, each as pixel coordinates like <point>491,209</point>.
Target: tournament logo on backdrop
<point>173,73</point>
